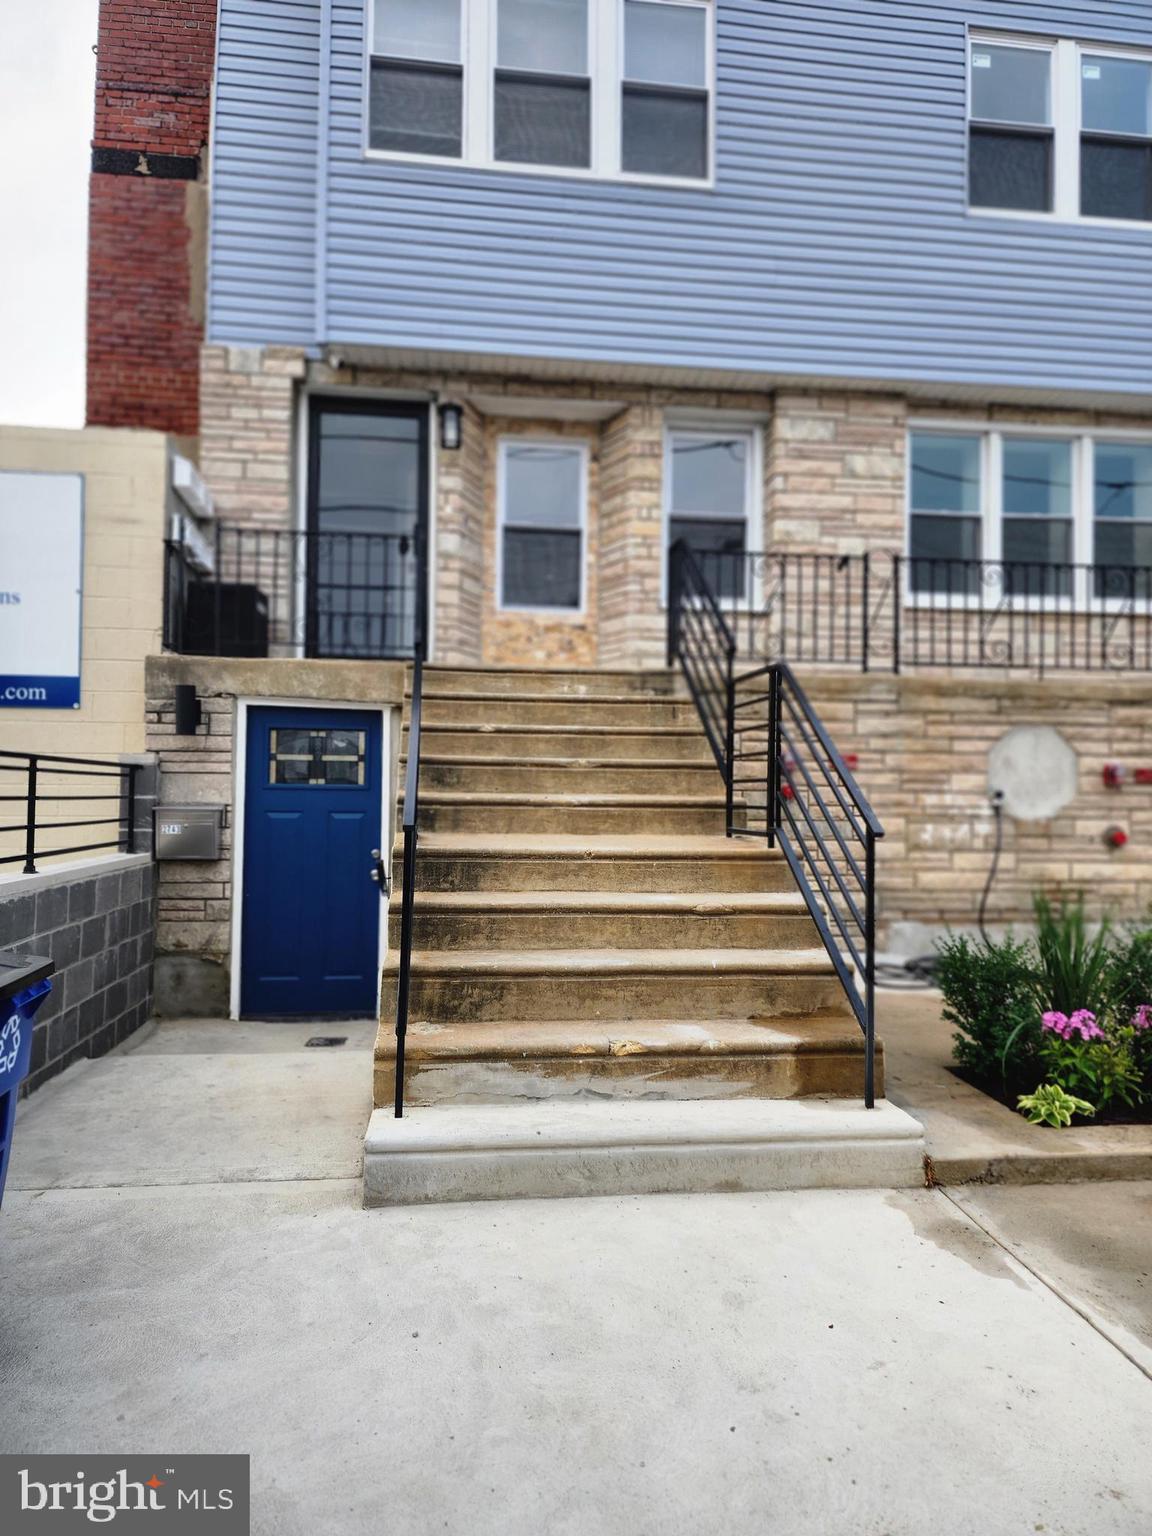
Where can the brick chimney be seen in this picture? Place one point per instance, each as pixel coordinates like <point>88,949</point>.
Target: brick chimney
<point>148,212</point>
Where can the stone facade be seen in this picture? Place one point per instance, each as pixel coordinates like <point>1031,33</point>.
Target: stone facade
<point>194,899</point>
<point>96,922</point>
<point>923,745</point>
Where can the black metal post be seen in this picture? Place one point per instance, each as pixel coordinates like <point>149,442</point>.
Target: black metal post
<point>30,827</point>
<point>130,830</point>
<point>897,610</point>
<point>774,757</point>
<point>406,918</point>
<point>870,972</point>
<point>730,744</point>
<point>675,556</point>
<point>218,592</point>
<point>867,599</point>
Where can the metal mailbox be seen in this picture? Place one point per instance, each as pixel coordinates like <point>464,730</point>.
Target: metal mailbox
<point>188,831</point>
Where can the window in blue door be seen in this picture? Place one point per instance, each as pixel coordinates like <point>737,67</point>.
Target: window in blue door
<point>310,928</point>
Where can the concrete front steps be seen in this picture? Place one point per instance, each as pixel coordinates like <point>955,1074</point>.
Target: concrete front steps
<point>607,993</point>
<point>551,1149</point>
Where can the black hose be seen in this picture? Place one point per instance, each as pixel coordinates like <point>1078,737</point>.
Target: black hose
<point>998,813</point>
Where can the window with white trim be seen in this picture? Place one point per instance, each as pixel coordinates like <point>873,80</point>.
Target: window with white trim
<point>1060,128</point>
<point>1043,515</point>
<point>542,495</point>
<point>606,88</point>
<point>709,495</point>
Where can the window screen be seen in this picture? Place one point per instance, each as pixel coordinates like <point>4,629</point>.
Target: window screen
<point>542,541</point>
<point>665,91</point>
<point>1116,144</point>
<point>1011,136</point>
<point>416,93</point>
<point>543,93</point>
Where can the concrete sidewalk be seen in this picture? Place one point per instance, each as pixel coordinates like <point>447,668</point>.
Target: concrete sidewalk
<point>194,1272</point>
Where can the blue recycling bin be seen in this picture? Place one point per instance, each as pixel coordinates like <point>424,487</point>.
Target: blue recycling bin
<point>17,1013</point>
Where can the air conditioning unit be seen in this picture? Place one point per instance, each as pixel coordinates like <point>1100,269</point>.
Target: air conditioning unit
<point>225,620</point>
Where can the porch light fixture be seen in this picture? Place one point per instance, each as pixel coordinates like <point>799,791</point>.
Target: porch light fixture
<point>451,427</point>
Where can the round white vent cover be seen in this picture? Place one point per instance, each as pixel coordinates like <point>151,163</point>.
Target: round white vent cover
<point>1036,771</point>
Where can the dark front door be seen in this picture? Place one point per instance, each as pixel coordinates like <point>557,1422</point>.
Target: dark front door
<point>367,522</point>
<point>311,910</point>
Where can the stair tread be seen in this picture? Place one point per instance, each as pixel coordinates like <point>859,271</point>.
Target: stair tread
<point>514,728</point>
<point>639,700</point>
<point>597,962</point>
<point>628,1124</point>
<point>519,845</point>
<point>655,764</point>
<point>562,801</point>
<point>516,669</point>
<point>773,903</point>
<point>514,1039</point>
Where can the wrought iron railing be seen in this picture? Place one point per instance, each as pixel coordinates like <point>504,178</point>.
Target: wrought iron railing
<point>243,591</point>
<point>897,613</point>
<point>410,827</point>
<point>43,787</point>
<point>784,781</point>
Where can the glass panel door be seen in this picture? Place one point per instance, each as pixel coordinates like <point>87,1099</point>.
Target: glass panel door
<point>367,516</point>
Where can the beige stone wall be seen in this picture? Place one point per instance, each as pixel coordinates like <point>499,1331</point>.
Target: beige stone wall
<point>458,543</point>
<point>194,916</point>
<point>125,486</point>
<point>923,745</point>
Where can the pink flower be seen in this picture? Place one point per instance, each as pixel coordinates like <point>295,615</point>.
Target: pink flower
<point>1142,1018</point>
<point>1082,1023</point>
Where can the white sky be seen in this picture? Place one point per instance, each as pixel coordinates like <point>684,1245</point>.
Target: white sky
<point>47,79</point>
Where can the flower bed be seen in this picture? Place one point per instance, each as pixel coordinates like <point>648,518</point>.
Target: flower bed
<point>1059,1027</point>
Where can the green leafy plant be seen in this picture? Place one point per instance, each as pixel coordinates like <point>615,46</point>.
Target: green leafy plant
<point>1052,1105</point>
<point>1073,971</point>
<point>1129,979</point>
<point>989,1000</point>
<point>1104,1065</point>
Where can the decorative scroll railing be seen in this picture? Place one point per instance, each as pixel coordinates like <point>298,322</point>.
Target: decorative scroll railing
<point>898,613</point>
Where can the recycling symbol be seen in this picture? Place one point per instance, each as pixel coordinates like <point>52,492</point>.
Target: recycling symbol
<point>9,1044</point>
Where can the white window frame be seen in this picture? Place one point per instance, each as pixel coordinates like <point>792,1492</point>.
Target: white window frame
<point>1067,124</point>
<point>540,441</point>
<point>753,496</point>
<point>606,71</point>
<point>993,436</point>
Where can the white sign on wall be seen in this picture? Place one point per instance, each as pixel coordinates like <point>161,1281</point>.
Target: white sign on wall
<point>41,576</point>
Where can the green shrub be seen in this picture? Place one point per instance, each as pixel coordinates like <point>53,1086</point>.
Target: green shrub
<point>989,997</point>
<point>1129,979</point>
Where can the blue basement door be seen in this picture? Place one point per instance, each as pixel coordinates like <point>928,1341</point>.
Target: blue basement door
<point>310,939</point>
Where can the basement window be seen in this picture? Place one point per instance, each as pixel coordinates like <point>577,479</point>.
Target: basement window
<point>542,496</point>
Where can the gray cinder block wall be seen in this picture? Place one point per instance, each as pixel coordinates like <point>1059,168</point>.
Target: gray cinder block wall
<point>98,925</point>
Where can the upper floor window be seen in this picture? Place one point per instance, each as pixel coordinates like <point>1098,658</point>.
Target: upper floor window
<point>1060,128</point>
<point>606,88</point>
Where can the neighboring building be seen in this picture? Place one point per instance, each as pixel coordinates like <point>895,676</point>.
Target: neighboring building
<point>504,298</point>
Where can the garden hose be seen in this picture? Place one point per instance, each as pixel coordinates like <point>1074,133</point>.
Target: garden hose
<point>998,813</point>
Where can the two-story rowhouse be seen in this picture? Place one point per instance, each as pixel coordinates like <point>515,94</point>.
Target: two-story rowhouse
<point>504,297</point>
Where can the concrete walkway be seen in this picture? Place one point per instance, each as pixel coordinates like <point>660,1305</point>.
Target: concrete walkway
<point>185,1265</point>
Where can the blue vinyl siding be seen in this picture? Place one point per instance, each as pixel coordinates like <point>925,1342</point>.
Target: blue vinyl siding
<point>836,242</point>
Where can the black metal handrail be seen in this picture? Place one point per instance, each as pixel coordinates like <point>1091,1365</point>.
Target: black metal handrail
<point>251,591</point>
<point>786,781</point>
<point>40,769</point>
<point>410,826</point>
